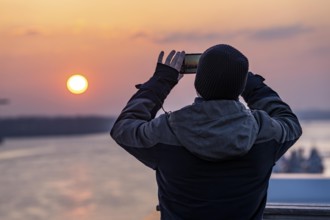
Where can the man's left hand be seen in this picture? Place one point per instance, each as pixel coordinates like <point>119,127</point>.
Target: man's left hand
<point>174,60</point>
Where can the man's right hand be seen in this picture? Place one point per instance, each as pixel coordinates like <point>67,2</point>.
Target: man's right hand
<point>253,82</point>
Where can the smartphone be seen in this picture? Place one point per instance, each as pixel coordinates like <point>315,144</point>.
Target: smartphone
<point>190,63</point>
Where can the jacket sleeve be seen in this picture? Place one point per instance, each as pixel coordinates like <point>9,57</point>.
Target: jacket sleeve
<point>136,129</point>
<point>275,118</point>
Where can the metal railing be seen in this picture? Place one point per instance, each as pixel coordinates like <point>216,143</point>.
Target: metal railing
<point>282,211</point>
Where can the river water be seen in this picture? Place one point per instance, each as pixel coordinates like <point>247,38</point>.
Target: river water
<point>90,178</point>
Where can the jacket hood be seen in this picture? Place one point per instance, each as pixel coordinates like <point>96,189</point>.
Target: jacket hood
<point>216,129</point>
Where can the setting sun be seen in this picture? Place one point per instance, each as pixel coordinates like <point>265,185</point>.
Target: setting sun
<point>77,84</point>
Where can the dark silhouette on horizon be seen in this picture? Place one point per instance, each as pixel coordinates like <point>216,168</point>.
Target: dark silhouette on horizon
<point>49,126</point>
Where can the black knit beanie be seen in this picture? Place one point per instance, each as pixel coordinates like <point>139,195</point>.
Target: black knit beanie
<point>221,73</point>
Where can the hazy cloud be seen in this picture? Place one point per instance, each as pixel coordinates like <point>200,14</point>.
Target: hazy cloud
<point>25,31</point>
<point>179,36</point>
<point>321,50</point>
<point>280,32</point>
<point>273,33</point>
<point>174,37</point>
<point>32,32</point>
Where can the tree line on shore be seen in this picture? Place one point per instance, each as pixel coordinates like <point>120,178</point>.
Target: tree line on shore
<point>44,126</point>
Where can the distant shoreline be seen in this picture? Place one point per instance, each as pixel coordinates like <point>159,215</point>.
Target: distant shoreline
<point>313,115</point>
<point>53,126</point>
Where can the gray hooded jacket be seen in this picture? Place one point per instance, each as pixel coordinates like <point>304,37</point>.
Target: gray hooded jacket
<point>211,154</point>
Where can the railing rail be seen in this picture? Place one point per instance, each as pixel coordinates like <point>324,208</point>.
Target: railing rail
<point>282,211</point>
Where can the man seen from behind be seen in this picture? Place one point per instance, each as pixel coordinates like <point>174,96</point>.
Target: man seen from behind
<point>213,159</point>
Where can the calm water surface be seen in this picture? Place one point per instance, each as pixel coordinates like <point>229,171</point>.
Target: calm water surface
<point>71,178</point>
<point>90,177</point>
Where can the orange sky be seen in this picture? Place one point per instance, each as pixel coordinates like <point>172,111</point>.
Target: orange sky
<point>115,44</point>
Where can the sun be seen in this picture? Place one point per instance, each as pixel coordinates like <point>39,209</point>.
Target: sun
<point>77,84</point>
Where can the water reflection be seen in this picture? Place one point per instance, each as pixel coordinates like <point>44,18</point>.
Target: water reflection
<point>75,192</point>
<point>77,178</point>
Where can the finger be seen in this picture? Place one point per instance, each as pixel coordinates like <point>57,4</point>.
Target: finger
<point>175,59</point>
<point>179,60</point>
<point>160,57</point>
<point>169,57</point>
